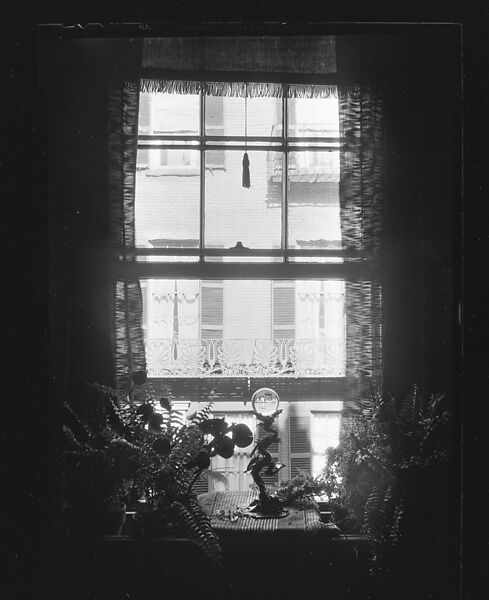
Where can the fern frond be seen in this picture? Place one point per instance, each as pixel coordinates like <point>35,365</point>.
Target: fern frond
<point>74,423</point>
<point>374,517</point>
<point>110,405</point>
<point>187,445</point>
<point>391,500</point>
<point>196,524</point>
<point>202,415</point>
<point>397,522</point>
<point>410,411</point>
<point>177,420</point>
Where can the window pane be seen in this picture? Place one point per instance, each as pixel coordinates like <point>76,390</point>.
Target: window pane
<point>234,213</point>
<point>313,198</point>
<point>167,205</point>
<point>312,117</point>
<point>325,434</point>
<point>171,258</point>
<point>245,259</point>
<point>264,116</point>
<point>316,259</point>
<point>168,114</point>
<point>244,328</point>
<point>257,298</point>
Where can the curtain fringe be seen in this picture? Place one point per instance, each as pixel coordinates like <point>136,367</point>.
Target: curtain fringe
<point>238,89</point>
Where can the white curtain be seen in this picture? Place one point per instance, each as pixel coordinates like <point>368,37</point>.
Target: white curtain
<point>325,434</point>
<point>334,310</point>
<point>308,304</point>
<point>160,308</point>
<point>188,309</point>
<point>161,305</point>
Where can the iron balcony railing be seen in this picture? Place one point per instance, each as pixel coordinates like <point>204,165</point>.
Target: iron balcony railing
<point>245,357</point>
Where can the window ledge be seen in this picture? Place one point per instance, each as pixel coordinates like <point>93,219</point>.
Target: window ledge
<point>173,172</point>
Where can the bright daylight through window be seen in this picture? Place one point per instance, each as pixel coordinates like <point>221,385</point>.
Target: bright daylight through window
<point>191,207</point>
<point>192,211</point>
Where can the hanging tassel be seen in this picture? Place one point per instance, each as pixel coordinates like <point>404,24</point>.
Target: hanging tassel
<point>246,171</point>
<point>245,180</point>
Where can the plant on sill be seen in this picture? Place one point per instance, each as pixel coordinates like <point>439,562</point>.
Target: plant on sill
<point>392,475</point>
<point>300,491</point>
<point>126,449</point>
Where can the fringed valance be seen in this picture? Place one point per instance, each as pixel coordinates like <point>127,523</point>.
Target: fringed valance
<point>238,88</point>
<point>276,54</point>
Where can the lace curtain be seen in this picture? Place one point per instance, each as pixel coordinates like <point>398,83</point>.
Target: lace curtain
<point>361,199</point>
<point>129,349</point>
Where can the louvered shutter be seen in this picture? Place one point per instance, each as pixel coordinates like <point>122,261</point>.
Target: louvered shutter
<point>214,125</point>
<point>211,309</point>
<point>273,449</point>
<point>283,302</point>
<point>299,444</point>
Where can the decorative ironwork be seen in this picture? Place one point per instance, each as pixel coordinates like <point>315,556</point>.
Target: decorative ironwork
<point>245,358</point>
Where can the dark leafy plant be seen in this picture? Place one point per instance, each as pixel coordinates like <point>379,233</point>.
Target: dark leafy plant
<point>140,450</point>
<point>300,490</point>
<point>392,477</point>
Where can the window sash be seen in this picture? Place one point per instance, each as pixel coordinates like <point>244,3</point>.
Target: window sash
<point>281,144</point>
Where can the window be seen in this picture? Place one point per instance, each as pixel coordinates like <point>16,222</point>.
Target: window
<point>188,181</point>
<point>306,430</point>
<point>238,327</point>
<point>257,284</point>
<point>174,115</point>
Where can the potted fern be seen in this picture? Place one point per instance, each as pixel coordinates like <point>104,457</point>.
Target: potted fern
<point>142,453</point>
<point>391,477</point>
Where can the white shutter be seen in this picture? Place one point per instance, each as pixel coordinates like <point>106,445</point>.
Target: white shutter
<point>283,314</point>
<point>211,309</point>
<point>300,444</point>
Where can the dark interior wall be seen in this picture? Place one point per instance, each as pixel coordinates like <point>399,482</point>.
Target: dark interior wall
<point>74,81</point>
<point>420,74</point>
<point>420,78</point>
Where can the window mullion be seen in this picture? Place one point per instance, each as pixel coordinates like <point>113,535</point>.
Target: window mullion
<point>285,174</point>
<point>202,175</point>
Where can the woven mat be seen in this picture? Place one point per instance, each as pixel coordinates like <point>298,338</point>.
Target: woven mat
<point>225,512</point>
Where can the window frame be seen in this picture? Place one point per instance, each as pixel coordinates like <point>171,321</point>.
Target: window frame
<point>358,266</point>
<point>130,263</point>
<point>284,144</point>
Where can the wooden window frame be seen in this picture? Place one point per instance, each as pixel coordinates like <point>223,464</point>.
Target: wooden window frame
<point>361,267</point>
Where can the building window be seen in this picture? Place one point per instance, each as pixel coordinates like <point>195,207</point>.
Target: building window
<point>246,328</point>
<point>306,431</point>
<point>325,433</point>
<point>189,165</point>
<point>244,284</point>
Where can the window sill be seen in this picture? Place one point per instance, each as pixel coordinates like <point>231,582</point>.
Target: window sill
<point>190,171</point>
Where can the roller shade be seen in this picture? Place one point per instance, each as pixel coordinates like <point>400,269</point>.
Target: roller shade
<point>276,54</point>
